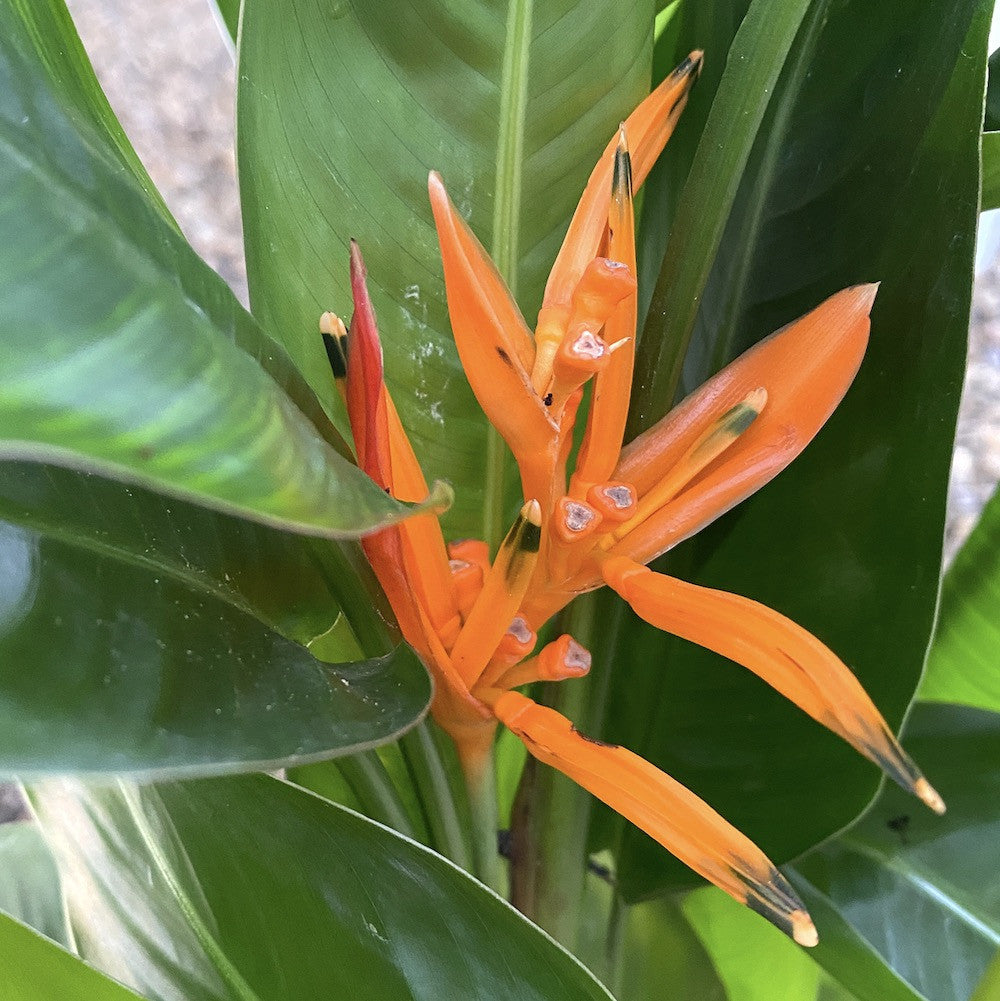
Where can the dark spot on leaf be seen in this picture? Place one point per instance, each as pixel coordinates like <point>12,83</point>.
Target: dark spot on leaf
<point>900,825</point>
<point>146,452</point>
<point>504,357</point>
<point>547,399</point>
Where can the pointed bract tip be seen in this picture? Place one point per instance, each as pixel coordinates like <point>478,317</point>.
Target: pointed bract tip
<point>532,513</point>
<point>435,185</point>
<point>757,399</point>
<point>929,795</point>
<point>865,294</point>
<point>357,261</point>
<point>803,930</point>
<point>622,138</point>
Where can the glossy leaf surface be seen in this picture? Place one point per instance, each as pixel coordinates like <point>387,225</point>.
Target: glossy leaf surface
<point>847,541</point>
<point>29,883</point>
<point>343,111</point>
<point>124,354</point>
<point>111,664</point>
<point>36,969</point>
<point>936,876</point>
<point>962,666</point>
<point>174,888</point>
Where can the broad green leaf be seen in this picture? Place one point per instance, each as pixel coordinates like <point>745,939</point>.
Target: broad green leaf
<point>962,666</point>
<point>711,28</point>
<point>229,11</point>
<point>110,666</point>
<point>35,969</point>
<point>755,961</point>
<point>991,171</point>
<point>863,134</point>
<point>293,583</point>
<point>848,957</point>
<point>29,882</point>
<point>174,888</point>
<point>344,109</point>
<point>936,877</point>
<point>988,989</point>
<point>124,354</point>
<point>758,55</point>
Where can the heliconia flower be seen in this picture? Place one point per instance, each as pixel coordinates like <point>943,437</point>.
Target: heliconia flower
<point>475,621</point>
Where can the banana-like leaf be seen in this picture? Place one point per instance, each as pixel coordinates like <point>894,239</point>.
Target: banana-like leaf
<point>991,171</point>
<point>297,585</point>
<point>123,353</point>
<point>36,969</point>
<point>229,11</point>
<point>111,662</point>
<point>962,666</point>
<point>866,129</point>
<point>935,877</point>
<point>29,882</point>
<point>173,889</point>
<point>344,109</point>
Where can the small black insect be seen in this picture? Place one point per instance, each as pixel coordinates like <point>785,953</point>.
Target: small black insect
<point>900,825</point>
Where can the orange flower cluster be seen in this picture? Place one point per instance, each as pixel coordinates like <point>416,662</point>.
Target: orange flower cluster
<point>475,621</point>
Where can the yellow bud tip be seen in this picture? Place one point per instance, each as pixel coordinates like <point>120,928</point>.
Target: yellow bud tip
<point>928,794</point>
<point>757,399</point>
<point>622,138</point>
<point>532,513</point>
<point>803,930</point>
<point>330,323</point>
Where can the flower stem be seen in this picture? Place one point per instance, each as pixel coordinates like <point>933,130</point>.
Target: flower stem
<point>437,794</point>
<point>489,866</point>
<point>554,815</point>
<point>373,786</point>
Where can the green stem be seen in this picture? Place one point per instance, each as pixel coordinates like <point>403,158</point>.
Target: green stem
<point>613,944</point>
<point>430,777</point>
<point>376,793</point>
<point>558,811</point>
<point>489,866</point>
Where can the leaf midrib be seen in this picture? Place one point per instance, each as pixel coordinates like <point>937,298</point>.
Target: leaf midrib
<point>507,221</point>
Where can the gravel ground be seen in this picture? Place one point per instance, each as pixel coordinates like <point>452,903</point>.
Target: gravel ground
<point>169,75</point>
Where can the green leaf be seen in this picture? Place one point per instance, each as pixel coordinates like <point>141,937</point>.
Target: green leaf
<point>845,184</point>
<point>988,989</point>
<point>293,583</point>
<point>112,664</point>
<point>660,949</point>
<point>186,881</point>
<point>757,57</point>
<point>343,111</point>
<point>36,969</point>
<point>934,876</point>
<point>229,11</point>
<point>991,171</point>
<point>124,353</point>
<point>29,882</point>
<point>755,961</point>
<point>962,666</point>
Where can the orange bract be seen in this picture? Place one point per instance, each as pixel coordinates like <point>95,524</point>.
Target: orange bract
<point>475,621</point>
